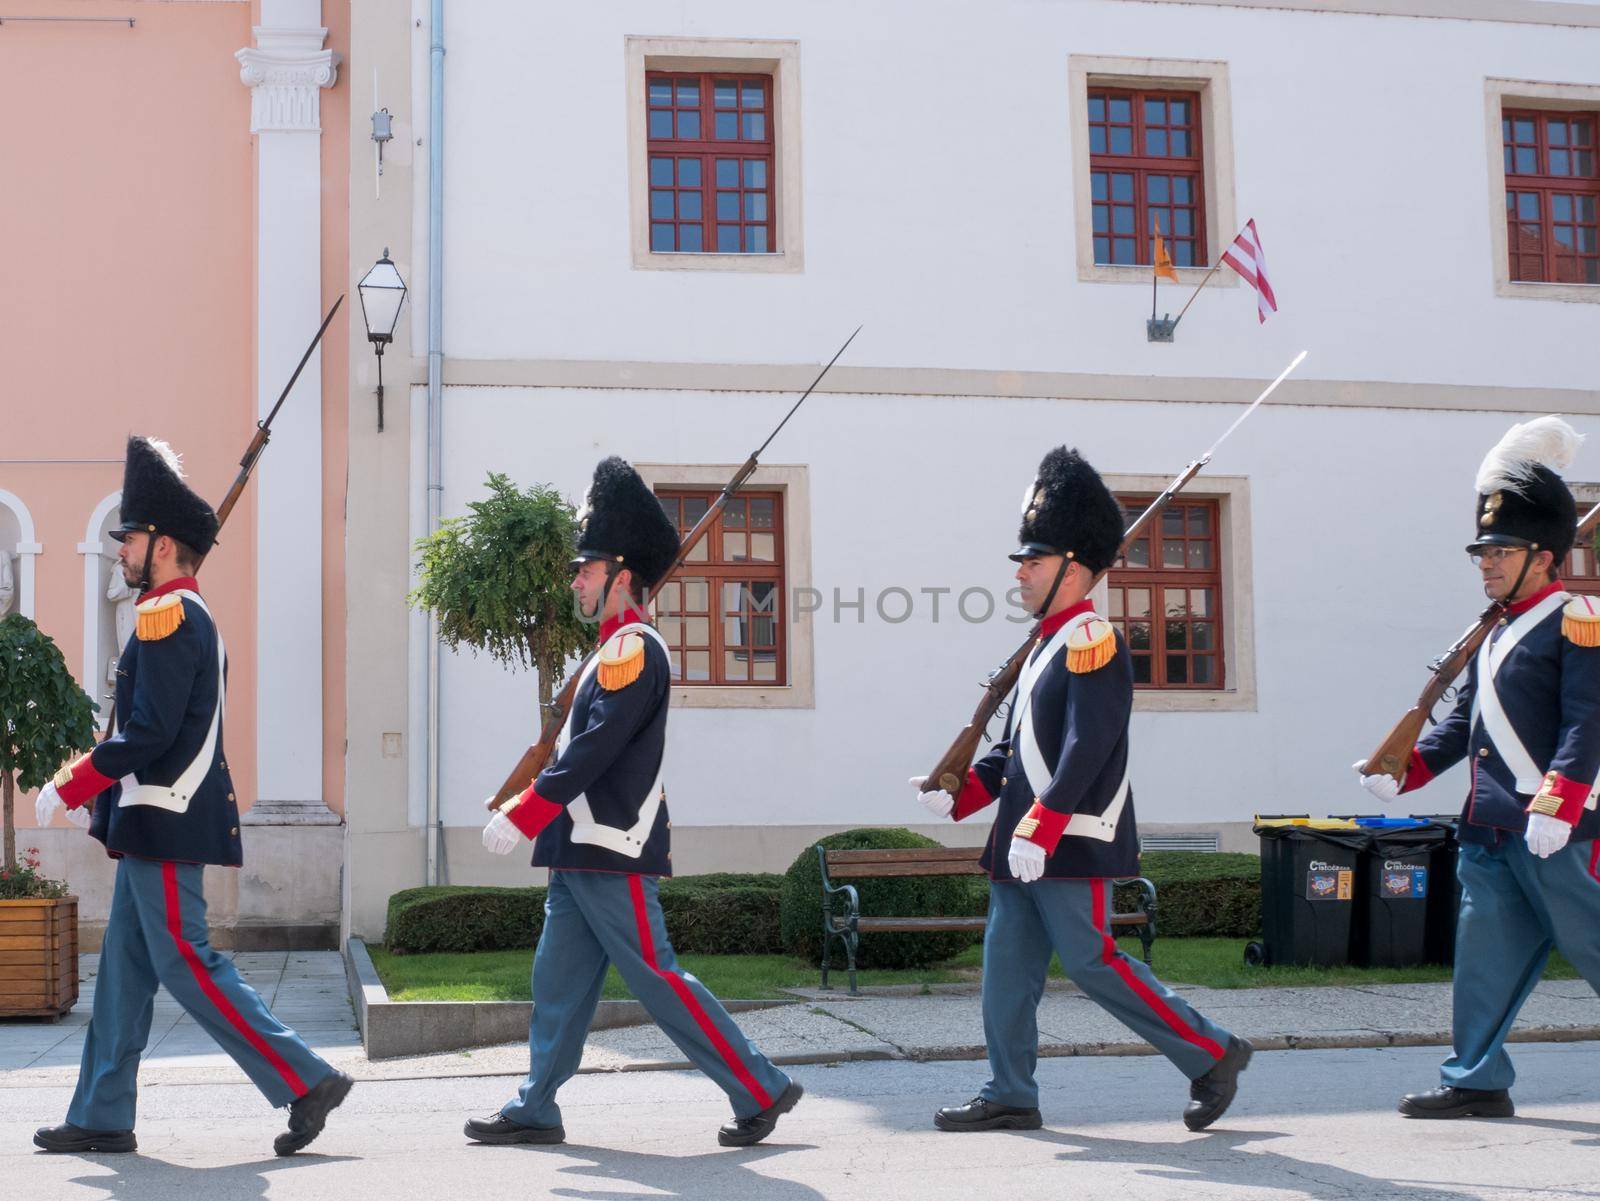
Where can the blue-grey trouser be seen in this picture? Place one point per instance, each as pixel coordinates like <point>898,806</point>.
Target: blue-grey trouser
<point>1072,918</point>
<point>1514,908</point>
<point>595,919</point>
<point>156,934</point>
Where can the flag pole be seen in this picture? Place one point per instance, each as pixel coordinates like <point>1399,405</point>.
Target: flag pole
<point>1203,283</point>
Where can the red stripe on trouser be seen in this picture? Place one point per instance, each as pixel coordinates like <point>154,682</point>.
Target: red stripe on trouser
<point>169,876</point>
<point>1114,958</point>
<point>647,948</point>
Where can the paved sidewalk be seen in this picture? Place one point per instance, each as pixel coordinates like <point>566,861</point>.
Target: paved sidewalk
<point>307,990</point>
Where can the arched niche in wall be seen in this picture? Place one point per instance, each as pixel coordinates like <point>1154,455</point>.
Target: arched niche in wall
<point>107,604</point>
<point>20,550</point>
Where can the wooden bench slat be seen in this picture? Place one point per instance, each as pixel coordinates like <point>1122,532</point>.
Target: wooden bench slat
<point>905,854</point>
<point>868,871</point>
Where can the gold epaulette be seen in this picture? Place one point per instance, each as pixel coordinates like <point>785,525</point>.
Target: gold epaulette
<point>1091,646</point>
<point>159,617</point>
<point>1580,621</point>
<point>621,661</point>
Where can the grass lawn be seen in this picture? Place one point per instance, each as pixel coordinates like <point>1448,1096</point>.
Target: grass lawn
<point>1213,962</point>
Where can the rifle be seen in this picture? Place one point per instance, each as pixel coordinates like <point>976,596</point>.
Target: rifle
<point>950,773</point>
<point>1393,755</point>
<point>536,756</point>
<point>247,464</point>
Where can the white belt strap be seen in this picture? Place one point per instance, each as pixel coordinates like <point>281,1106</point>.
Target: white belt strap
<point>175,799</point>
<point>630,841</point>
<point>1486,706</point>
<point>1101,827</point>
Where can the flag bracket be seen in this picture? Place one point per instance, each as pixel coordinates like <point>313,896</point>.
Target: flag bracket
<point>1161,329</point>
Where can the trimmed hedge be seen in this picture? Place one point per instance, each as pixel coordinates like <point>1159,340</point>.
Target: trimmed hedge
<point>725,913</point>
<point>1200,894</point>
<point>936,896</point>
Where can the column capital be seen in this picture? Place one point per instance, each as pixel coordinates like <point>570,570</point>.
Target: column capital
<point>286,71</point>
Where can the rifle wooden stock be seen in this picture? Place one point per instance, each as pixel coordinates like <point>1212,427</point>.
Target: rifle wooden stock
<point>1393,755</point>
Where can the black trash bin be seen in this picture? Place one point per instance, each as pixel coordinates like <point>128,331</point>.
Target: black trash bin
<point>1308,889</point>
<point>1398,890</point>
<point>1444,892</point>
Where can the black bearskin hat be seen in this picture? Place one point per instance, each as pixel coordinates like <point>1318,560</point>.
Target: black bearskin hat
<point>623,523</point>
<point>1068,510</point>
<point>155,500</point>
<point>1522,501</point>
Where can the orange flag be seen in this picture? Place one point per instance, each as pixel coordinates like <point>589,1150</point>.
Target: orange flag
<point>1163,265</point>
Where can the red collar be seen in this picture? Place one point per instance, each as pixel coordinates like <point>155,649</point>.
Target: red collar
<point>183,581</point>
<point>1522,606</point>
<point>628,616</point>
<point>1055,621</point>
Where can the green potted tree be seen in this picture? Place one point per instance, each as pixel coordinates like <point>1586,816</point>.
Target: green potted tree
<point>498,581</point>
<point>45,718</point>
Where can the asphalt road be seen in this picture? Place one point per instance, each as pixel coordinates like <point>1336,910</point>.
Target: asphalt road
<point>1308,1124</point>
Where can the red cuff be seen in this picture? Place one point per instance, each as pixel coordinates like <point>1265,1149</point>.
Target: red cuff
<point>1417,773</point>
<point>1043,827</point>
<point>1570,793</point>
<point>79,783</point>
<point>532,813</point>
<point>974,796</point>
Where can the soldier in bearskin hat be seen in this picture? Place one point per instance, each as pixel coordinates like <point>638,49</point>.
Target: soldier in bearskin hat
<point>1527,721</point>
<point>598,818</point>
<point>157,793</point>
<point>1064,827</point>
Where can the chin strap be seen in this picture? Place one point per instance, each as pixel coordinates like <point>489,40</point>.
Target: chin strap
<point>1511,597</point>
<point>149,554</point>
<point>1055,587</point>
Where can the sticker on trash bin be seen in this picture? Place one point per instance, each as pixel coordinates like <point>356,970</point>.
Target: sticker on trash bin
<point>1329,882</point>
<point>1401,880</point>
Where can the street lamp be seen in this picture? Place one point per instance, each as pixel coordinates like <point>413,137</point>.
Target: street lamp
<point>382,293</point>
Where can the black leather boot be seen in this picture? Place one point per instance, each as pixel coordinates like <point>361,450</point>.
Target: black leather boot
<point>1211,1094</point>
<point>745,1132</point>
<point>499,1130</point>
<point>1447,1102</point>
<point>76,1140</point>
<point>309,1114</point>
<point>981,1114</point>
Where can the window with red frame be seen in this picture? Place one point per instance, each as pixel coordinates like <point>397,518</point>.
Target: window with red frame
<point>1146,171</point>
<point>722,614</point>
<point>1580,574</point>
<point>1552,196</point>
<point>1166,596</point>
<point>710,144</point>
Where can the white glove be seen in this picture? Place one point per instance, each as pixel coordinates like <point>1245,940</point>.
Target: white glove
<point>1384,787</point>
<point>81,815</point>
<point>939,803</point>
<point>500,837</point>
<point>1027,860</point>
<point>46,804</point>
<point>1546,835</point>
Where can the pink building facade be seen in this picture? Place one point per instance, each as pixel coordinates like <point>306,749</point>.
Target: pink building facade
<point>177,191</point>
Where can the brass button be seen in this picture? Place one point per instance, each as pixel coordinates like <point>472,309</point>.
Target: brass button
<point>1483,752</point>
<point>230,796</point>
<point>1502,621</point>
<point>234,832</point>
<point>1002,781</point>
<point>1008,753</point>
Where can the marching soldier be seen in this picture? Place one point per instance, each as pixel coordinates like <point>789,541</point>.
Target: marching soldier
<point>157,793</point>
<point>1064,828</point>
<point>1527,721</point>
<point>598,816</point>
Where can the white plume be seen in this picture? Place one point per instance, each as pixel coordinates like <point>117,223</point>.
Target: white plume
<point>1544,441</point>
<point>173,459</point>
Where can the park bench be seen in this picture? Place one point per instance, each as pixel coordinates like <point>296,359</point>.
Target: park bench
<point>842,920</point>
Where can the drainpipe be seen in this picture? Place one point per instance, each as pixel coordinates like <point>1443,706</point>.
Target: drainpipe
<point>435,398</point>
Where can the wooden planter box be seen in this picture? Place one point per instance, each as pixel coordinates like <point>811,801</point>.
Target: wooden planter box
<point>38,957</point>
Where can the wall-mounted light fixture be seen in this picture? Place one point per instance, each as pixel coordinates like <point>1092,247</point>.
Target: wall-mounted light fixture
<point>382,292</point>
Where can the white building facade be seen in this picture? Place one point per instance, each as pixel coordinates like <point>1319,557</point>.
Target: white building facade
<point>656,226</point>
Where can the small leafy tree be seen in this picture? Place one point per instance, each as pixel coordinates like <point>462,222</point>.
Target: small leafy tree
<point>44,716</point>
<point>497,580</point>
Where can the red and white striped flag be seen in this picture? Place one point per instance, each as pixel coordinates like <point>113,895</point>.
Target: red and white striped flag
<point>1245,257</point>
